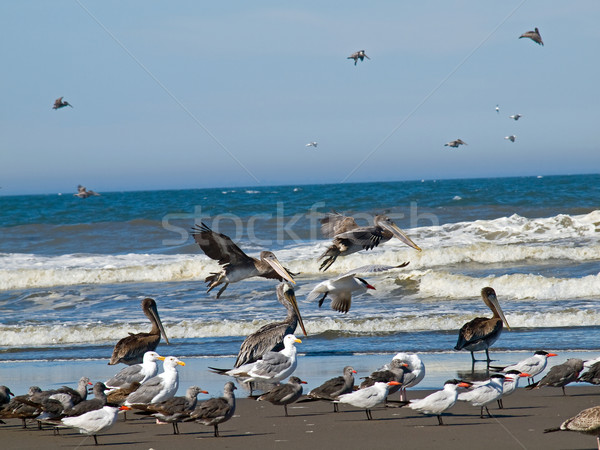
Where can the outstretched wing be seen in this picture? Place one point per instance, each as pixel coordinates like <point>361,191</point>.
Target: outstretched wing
<point>373,268</point>
<point>335,223</point>
<point>218,246</point>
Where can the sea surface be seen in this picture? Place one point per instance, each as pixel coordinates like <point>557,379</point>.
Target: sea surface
<point>73,271</point>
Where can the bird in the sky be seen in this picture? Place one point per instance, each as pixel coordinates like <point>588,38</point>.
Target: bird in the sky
<point>511,138</point>
<point>358,55</point>
<point>59,103</point>
<point>497,109</point>
<point>515,116</point>
<point>534,36</point>
<point>312,144</point>
<point>455,143</point>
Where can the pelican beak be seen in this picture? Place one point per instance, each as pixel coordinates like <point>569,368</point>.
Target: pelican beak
<point>396,231</point>
<point>277,267</point>
<point>154,313</point>
<point>496,306</point>
<point>291,297</point>
<point>298,341</point>
<point>181,363</point>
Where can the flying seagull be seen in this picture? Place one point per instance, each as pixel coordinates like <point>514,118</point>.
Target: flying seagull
<point>312,144</point>
<point>515,116</point>
<point>534,36</point>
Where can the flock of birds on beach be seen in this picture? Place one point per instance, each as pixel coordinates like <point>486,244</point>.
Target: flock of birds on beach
<point>269,356</point>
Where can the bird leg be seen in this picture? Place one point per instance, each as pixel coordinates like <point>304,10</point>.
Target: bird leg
<point>95,440</point>
<point>285,408</point>
<point>440,421</point>
<point>369,416</point>
<point>216,430</point>
<point>563,388</point>
<point>222,289</point>
<point>175,428</point>
<point>335,407</point>
<point>500,404</point>
<point>322,300</point>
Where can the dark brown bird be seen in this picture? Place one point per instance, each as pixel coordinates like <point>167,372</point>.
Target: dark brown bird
<point>349,238</point>
<point>236,265</point>
<point>269,338</point>
<point>358,55</point>
<point>177,408</point>
<point>481,332</point>
<point>216,410</point>
<point>284,394</point>
<point>592,375</point>
<point>331,389</point>
<point>130,350</point>
<point>560,375</point>
<point>534,36</point>
<point>98,402</point>
<point>455,143</point>
<point>586,422</point>
<point>59,103</point>
<point>395,372</point>
<point>20,407</point>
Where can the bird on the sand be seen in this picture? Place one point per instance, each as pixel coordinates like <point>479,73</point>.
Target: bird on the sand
<point>284,394</point>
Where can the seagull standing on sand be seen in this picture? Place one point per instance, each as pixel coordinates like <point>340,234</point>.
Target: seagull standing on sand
<point>159,388</point>
<point>216,410</point>
<point>586,422</point>
<point>284,394</point>
<point>358,55</point>
<point>369,397</point>
<point>534,36</point>
<point>96,421</point>
<point>560,375</point>
<point>334,387</point>
<point>438,402</point>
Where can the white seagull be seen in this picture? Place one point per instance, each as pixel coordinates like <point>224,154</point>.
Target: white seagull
<point>368,397</point>
<point>340,288</point>
<point>534,365</point>
<point>484,392</point>
<point>440,401</point>
<point>159,388</point>
<point>272,367</point>
<point>497,109</point>
<point>511,138</point>
<point>138,372</point>
<point>312,144</point>
<point>94,422</point>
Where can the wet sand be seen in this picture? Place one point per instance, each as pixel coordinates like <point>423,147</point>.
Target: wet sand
<point>313,425</point>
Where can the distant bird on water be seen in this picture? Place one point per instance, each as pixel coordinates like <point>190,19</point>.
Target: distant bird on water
<point>511,138</point>
<point>130,350</point>
<point>312,144</point>
<point>515,116</point>
<point>59,103</point>
<point>455,144</point>
<point>358,55</point>
<point>481,332</point>
<point>236,265</point>
<point>586,422</point>
<point>534,36</point>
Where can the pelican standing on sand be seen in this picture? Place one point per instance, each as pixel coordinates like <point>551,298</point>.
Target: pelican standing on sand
<point>534,36</point>
<point>130,350</point>
<point>586,422</point>
<point>481,332</point>
<point>349,238</point>
<point>159,388</point>
<point>269,338</point>
<point>236,265</point>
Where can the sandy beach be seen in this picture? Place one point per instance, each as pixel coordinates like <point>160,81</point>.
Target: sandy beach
<point>313,425</point>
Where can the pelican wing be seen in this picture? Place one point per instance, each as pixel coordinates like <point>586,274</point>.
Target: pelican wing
<point>367,237</point>
<point>268,338</point>
<point>218,246</point>
<point>477,329</point>
<point>336,223</point>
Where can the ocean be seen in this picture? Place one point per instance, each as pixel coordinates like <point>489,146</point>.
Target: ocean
<point>73,271</point>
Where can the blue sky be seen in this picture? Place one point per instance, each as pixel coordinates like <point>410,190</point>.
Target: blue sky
<point>194,94</point>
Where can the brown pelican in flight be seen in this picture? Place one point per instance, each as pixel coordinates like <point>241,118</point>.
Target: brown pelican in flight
<point>481,332</point>
<point>340,289</point>
<point>236,265</point>
<point>269,338</point>
<point>534,36</point>
<point>455,144</point>
<point>349,238</point>
<point>130,350</point>
<point>59,103</point>
<point>358,55</point>
<point>511,138</point>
